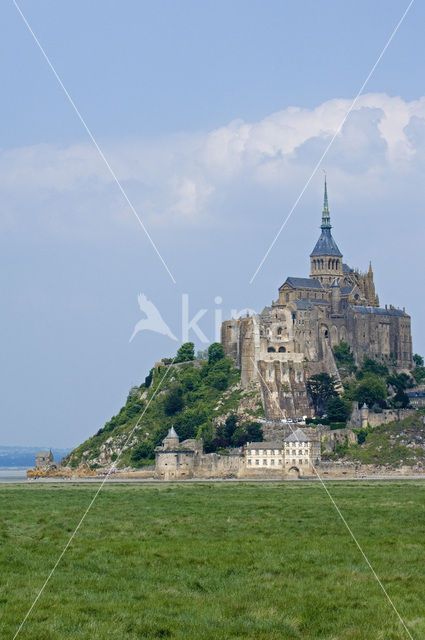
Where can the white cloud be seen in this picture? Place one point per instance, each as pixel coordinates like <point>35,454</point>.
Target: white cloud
<point>179,179</point>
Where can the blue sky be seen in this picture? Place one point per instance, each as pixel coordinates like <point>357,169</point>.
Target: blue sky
<point>213,115</point>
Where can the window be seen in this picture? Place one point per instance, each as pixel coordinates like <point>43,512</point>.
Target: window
<point>249,461</point>
<point>253,452</point>
<point>271,350</point>
<point>287,297</point>
<point>280,461</point>
<point>300,461</point>
<point>264,462</point>
<point>257,462</point>
<point>279,331</point>
<point>272,462</point>
<point>294,462</point>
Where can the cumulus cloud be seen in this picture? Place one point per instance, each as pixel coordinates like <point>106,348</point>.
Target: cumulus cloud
<point>184,179</point>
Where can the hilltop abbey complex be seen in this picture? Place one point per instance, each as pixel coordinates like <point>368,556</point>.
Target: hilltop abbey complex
<point>293,338</point>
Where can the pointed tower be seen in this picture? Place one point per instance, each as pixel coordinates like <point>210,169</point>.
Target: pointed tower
<point>326,258</point>
<point>370,293</point>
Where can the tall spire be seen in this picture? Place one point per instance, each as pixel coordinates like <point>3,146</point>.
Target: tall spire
<point>326,218</point>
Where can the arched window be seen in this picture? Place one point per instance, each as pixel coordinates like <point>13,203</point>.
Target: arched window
<point>322,264</point>
<point>279,331</point>
<point>271,350</point>
<point>337,264</point>
<point>282,350</point>
<point>329,263</point>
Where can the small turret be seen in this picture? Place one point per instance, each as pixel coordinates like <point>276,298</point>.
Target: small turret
<point>335,296</point>
<point>171,440</point>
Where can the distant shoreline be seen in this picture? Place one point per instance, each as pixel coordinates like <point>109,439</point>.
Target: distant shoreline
<point>115,480</point>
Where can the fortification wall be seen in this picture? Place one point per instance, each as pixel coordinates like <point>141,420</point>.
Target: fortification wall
<point>364,417</point>
<point>212,465</point>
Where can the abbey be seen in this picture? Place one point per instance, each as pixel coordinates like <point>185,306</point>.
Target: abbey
<point>292,339</point>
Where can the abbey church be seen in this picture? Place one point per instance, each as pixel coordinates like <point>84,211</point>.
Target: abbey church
<point>292,339</point>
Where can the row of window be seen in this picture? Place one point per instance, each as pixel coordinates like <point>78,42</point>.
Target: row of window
<point>265,462</point>
<point>265,452</point>
<point>272,462</point>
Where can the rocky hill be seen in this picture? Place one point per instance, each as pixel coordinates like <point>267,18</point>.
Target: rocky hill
<point>201,398</point>
<point>394,445</point>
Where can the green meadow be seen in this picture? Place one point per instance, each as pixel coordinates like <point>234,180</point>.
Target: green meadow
<point>263,561</point>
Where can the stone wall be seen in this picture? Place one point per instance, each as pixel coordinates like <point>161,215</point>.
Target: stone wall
<point>362,417</point>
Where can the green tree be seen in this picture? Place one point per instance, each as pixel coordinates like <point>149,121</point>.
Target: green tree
<point>143,451</point>
<point>418,360</point>
<point>370,390</point>
<point>344,357</point>
<point>148,379</point>
<point>230,427</point>
<point>215,352</point>
<point>186,352</point>
<point>321,388</point>
<point>371,366</point>
<point>338,409</point>
<point>400,400</point>
<point>419,374</point>
<point>174,400</point>
<point>400,381</point>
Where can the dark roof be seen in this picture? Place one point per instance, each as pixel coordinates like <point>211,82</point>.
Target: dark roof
<point>275,444</point>
<point>326,245</point>
<point>303,283</point>
<point>379,311</point>
<point>171,433</point>
<point>346,290</point>
<point>307,304</point>
<point>346,268</point>
<point>298,436</point>
<point>416,394</point>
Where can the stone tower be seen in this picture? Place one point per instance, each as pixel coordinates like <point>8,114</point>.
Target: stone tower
<point>326,258</point>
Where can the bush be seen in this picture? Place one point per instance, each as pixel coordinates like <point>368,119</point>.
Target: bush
<point>337,425</point>
<point>148,379</point>
<point>371,390</point>
<point>344,357</point>
<point>338,409</point>
<point>373,367</point>
<point>143,451</point>
<point>174,400</point>
<point>215,352</point>
<point>186,353</point>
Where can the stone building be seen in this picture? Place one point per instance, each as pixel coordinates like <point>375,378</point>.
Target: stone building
<point>264,455</point>
<point>292,339</point>
<point>301,454</point>
<point>43,459</point>
<point>296,455</point>
<point>184,460</point>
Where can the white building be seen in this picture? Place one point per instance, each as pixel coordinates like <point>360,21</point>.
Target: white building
<point>301,453</point>
<point>262,456</point>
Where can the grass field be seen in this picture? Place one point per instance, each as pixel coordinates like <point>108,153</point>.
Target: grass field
<point>213,561</point>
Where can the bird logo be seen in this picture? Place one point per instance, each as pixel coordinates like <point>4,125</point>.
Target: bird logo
<point>153,321</point>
